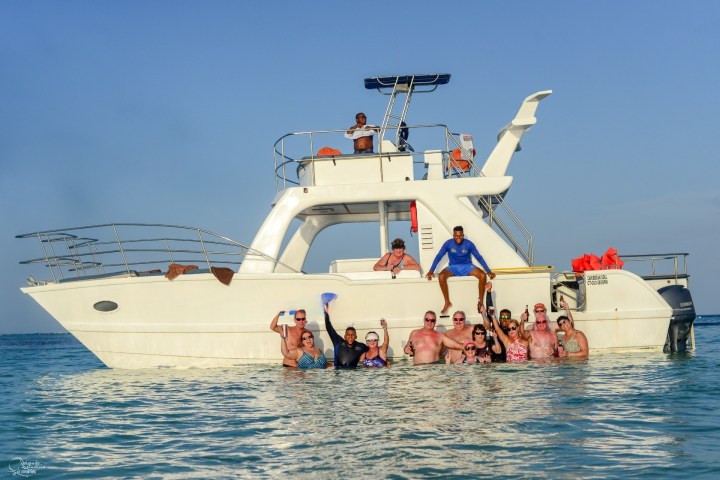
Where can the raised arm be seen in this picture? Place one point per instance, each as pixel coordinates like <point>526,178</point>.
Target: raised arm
<point>330,329</point>
<point>501,335</point>
<point>274,324</point>
<point>386,337</point>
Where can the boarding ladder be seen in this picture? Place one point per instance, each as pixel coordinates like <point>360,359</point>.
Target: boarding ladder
<point>396,112</point>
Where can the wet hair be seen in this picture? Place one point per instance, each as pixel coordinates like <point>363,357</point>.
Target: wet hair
<point>398,243</point>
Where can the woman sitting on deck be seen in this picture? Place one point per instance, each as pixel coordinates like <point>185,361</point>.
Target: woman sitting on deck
<point>307,354</point>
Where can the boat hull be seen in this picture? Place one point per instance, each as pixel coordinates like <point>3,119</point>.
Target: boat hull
<point>196,321</point>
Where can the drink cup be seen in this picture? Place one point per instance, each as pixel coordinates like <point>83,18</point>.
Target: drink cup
<point>561,351</point>
<point>284,331</point>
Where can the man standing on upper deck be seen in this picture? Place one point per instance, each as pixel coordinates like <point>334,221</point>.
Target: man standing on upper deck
<point>361,134</point>
<point>460,251</point>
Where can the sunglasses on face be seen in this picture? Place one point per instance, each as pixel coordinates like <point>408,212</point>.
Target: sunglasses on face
<point>458,319</point>
<point>431,320</point>
<point>513,327</point>
<point>301,319</point>
<point>470,347</point>
<point>540,310</point>
<point>306,338</point>
<point>562,323</point>
<point>505,317</point>
<point>541,322</point>
<point>479,332</point>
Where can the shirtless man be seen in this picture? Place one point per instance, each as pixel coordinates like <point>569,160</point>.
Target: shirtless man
<point>543,342</point>
<point>362,134</point>
<point>293,333</point>
<point>461,333</point>
<point>427,343</point>
<point>539,310</point>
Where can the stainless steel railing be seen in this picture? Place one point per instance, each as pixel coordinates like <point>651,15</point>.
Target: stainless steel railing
<point>128,247</point>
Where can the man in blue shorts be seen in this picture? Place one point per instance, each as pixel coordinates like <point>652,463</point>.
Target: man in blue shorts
<point>460,252</point>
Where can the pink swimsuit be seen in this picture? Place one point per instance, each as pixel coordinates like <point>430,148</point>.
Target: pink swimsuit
<point>516,352</point>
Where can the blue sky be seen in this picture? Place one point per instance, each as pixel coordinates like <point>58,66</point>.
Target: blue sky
<point>166,112</point>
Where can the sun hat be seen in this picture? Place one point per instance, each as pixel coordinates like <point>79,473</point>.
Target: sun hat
<point>372,336</point>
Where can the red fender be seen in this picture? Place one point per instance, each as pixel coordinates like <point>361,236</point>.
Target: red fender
<point>413,217</point>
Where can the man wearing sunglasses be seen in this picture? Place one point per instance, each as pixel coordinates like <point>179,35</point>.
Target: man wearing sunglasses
<point>460,332</point>
<point>362,134</point>
<point>543,342</point>
<point>293,333</point>
<point>425,344</point>
<point>460,251</point>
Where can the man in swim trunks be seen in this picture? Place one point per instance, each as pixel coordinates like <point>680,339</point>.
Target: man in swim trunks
<point>460,252</point>
<point>426,343</point>
<point>347,350</point>
<point>293,333</point>
<point>362,134</point>
<point>460,332</point>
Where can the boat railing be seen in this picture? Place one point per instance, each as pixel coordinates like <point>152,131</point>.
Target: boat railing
<point>302,148</point>
<point>133,249</point>
<point>659,266</point>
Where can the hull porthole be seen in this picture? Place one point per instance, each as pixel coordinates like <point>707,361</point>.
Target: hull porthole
<point>105,306</point>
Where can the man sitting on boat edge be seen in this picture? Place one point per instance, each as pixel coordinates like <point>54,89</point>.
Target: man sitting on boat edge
<point>460,251</point>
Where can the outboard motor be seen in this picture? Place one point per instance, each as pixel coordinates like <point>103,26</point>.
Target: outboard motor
<point>683,315</point>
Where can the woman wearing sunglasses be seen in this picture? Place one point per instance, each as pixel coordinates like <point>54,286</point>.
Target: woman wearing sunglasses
<point>574,343</point>
<point>307,354</point>
<point>376,355</point>
<point>483,348</point>
<point>516,347</point>
<point>468,355</point>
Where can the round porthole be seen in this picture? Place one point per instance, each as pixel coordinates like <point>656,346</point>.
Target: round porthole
<point>105,306</point>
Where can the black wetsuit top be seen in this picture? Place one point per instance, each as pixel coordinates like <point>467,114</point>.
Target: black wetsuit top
<point>346,356</point>
<point>498,357</point>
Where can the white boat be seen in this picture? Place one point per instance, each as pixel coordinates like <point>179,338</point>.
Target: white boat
<point>107,286</point>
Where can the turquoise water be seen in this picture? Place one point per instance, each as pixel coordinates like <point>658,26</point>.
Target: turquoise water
<point>648,415</point>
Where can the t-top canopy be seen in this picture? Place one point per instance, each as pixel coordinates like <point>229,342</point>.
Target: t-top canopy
<point>424,80</point>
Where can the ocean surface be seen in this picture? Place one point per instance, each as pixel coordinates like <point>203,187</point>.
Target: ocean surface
<point>641,415</point>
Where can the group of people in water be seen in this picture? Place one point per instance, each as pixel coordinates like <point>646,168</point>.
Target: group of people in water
<point>501,339</point>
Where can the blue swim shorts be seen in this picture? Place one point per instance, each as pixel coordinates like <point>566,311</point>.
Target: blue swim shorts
<point>461,270</point>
